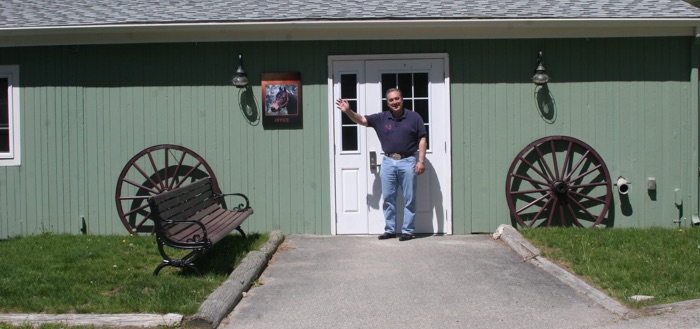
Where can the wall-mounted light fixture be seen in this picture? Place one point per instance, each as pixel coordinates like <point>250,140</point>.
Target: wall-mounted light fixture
<point>540,78</point>
<point>239,78</point>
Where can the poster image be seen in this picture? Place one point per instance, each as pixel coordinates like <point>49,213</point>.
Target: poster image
<point>282,97</point>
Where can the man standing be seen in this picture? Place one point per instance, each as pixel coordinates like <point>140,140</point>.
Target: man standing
<point>401,133</point>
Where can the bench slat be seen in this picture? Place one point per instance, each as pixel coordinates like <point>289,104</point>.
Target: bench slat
<point>217,222</point>
<point>184,230</point>
<point>167,195</point>
<point>224,222</point>
<point>177,199</point>
<point>188,209</point>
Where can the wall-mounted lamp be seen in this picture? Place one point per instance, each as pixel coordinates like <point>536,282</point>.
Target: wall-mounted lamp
<point>540,78</point>
<point>239,78</point>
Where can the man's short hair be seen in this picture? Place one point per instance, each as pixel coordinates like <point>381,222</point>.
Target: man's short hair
<point>386,95</point>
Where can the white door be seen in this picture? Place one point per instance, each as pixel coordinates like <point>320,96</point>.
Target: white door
<point>357,151</point>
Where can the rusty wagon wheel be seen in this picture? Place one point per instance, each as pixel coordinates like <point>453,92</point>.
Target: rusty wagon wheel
<point>151,172</point>
<point>558,181</point>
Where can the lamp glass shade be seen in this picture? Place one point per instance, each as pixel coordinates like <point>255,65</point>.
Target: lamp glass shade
<point>540,77</point>
<point>239,79</point>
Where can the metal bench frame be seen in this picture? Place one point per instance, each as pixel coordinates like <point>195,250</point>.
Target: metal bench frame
<point>191,217</point>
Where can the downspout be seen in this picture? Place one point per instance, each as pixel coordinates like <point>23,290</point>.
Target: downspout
<point>694,117</point>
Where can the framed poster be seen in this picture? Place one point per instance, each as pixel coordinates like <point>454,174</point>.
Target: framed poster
<point>282,96</point>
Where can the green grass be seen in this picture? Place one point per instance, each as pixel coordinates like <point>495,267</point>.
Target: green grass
<point>53,273</point>
<point>659,262</point>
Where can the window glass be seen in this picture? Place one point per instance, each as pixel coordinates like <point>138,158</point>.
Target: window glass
<point>9,115</point>
<point>421,107</point>
<point>4,115</point>
<point>349,129</point>
<point>405,84</point>
<point>420,84</point>
<point>348,86</point>
<point>388,82</point>
<point>427,134</point>
<point>344,118</point>
<point>349,138</point>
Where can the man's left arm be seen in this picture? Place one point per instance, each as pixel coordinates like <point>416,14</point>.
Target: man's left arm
<point>422,147</point>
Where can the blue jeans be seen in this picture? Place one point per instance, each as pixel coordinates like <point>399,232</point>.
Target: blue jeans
<point>394,173</point>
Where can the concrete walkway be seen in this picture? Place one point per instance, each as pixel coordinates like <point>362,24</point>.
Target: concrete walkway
<point>468,281</point>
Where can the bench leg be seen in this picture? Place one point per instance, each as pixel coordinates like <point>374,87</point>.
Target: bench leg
<point>240,230</point>
<point>176,263</point>
<point>186,261</point>
<point>160,267</point>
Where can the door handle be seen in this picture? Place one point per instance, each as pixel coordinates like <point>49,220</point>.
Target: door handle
<point>373,161</point>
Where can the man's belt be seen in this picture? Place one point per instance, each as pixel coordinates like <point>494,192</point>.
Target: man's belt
<point>399,156</point>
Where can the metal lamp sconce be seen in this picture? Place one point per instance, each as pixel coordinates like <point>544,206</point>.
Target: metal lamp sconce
<point>540,78</point>
<point>544,100</point>
<point>239,78</point>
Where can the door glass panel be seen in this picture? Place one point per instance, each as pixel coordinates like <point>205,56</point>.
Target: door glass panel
<point>4,116</point>
<point>388,81</point>
<point>349,136</point>
<point>405,84</point>
<point>421,107</point>
<point>348,86</point>
<point>420,85</point>
<point>427,134</point>
<point>414,88</point>
<point>345,119</point>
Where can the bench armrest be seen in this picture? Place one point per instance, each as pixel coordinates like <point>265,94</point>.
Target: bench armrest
<point>195,240</point>
<point>240,205</point>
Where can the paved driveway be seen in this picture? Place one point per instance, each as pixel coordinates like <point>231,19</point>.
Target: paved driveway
<point>467,281</point>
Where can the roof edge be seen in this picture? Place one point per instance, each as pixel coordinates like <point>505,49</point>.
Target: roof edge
<point>348,30</point>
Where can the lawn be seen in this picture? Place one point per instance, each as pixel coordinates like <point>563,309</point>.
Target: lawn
<point>56,273</point>
<point>623,262</point>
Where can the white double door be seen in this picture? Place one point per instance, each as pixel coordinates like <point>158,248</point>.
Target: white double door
<point>358,200</point>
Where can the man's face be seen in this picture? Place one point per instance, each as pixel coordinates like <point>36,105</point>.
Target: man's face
<point>395,101</point>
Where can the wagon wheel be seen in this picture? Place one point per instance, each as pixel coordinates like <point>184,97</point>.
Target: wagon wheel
<point>151,172</point>
<point>558,181</point>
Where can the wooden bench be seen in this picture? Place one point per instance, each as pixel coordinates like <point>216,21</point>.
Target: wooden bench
<point>190,217</point>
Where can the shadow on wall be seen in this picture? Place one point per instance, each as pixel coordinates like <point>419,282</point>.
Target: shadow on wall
<point>435,201</point>
<point>249,106</point>
<point>545,104</point>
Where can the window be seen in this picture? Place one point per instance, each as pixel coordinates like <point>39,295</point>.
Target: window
<point>348,91</point>
<point>414,89</point>
<point>9,115</point>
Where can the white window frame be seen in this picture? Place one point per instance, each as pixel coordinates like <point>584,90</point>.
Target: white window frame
<point>11,73</point>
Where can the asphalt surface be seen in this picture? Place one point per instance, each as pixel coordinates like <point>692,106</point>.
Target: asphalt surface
<point>470,281</point>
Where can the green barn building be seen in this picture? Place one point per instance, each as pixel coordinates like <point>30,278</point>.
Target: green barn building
<point>610,139</point>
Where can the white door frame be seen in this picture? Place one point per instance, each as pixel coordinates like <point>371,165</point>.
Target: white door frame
<point>447,194</point>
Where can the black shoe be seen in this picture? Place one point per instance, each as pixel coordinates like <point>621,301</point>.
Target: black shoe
<point>387,236</point>
<point>405,237</point>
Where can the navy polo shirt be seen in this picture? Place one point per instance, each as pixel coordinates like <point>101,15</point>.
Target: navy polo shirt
<point>398,135</point>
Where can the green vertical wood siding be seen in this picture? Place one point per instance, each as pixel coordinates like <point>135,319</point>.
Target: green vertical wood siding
<point>627,98</point>
<point>86,111</point>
